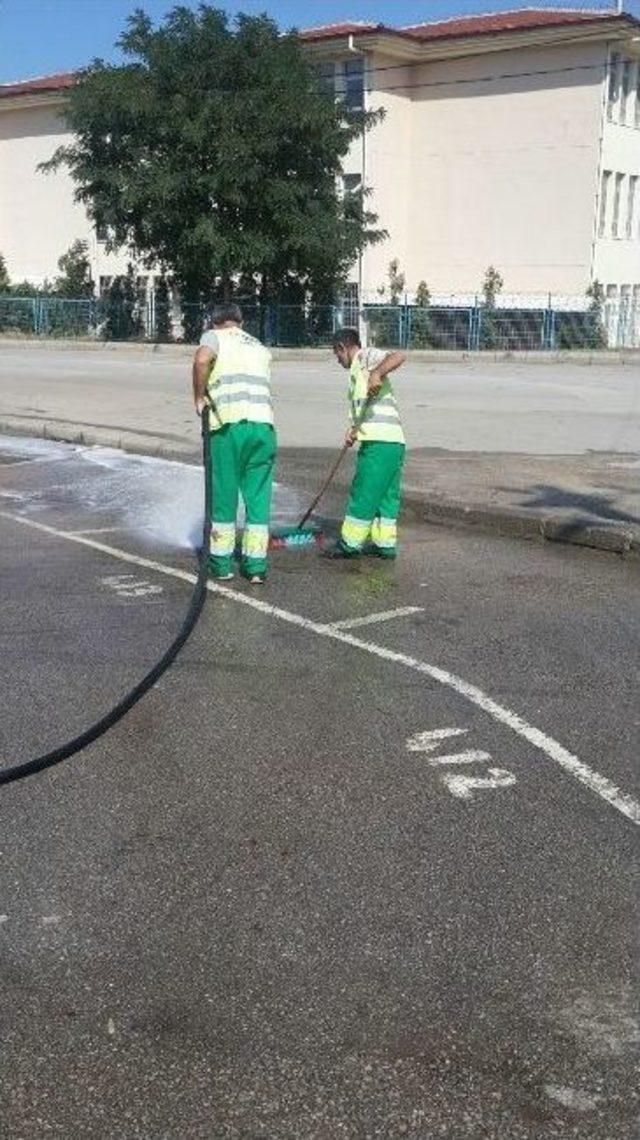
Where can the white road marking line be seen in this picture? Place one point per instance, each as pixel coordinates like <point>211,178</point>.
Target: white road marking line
<point>99,530</point>
<point>371,619</point>
<point>428,741</point>
<point>128,586</point>
<point>464,786</point>
<point>469,757</point>
<point>600,785</point>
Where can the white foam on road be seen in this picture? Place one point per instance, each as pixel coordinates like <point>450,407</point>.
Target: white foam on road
<point>599,785</point>
<point>29,450</point>
<point>161,499</point>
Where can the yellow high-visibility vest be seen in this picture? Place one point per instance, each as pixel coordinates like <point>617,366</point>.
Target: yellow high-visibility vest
<point>382,419</point>
<point>239,386</point>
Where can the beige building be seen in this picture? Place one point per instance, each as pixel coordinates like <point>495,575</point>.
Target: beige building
<point>39,218</point>
<point>510,140</point>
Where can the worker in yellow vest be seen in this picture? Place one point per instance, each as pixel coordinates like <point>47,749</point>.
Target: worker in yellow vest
<point>370,524</point>
<point>232,373</point>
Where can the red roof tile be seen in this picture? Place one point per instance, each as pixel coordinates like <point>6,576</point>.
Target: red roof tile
<point>490,24</point>
<point>522,19</point>
<point>57,82</point>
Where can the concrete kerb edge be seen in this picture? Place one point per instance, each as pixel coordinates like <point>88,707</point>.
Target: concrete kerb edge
<point>510,522</point>
<point>506,521</point>
<point>613,356</point>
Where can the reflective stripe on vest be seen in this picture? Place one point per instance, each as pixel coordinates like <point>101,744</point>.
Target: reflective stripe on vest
<point>240,382</point>
<point>382,420</point>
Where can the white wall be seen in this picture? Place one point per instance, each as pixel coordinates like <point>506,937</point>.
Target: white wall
<point>617,259</point>
<point>502,172</point>
<point>38,216</point>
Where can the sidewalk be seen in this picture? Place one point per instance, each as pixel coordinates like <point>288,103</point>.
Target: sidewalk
<point>547,452</point>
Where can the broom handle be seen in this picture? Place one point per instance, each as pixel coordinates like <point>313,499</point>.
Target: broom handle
<point>324,486</point>
<point>367,404</point>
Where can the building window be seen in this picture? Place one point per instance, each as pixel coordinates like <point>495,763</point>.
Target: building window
<point>625,94</point>
<point>604,195</point>
<point>617,195</point>
<point>327,77</point>
<point>354,84</point>
<point>352,183</point>
<point>631,205</point>
<point>102,233</point>
<point>614,86</point>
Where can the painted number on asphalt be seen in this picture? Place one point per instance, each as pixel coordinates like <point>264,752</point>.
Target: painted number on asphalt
<point>460,784</point>
<point>128,586</point>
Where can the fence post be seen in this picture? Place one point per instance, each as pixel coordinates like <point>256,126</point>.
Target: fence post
<point>477,311</point>
<point>552,325</point>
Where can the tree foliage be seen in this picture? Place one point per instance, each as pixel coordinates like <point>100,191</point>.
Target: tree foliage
<point>397,282</point>
<point>162,310</point>
<point>214,153</point>
<point>75,267</point>
<point>491,286</point>
<point>5,280</point>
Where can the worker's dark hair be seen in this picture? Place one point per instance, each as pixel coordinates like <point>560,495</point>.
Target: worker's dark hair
<point>349,337</point>
<point>220,314</point>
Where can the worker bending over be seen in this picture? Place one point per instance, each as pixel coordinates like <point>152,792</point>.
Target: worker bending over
<point>370,524</point>
<point>232,373</point>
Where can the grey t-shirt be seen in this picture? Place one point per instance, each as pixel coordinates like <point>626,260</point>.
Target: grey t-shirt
<point>371,357</point>
<point>210,340</point>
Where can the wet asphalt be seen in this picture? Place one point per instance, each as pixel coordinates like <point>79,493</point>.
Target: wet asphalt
<point>251,910</point>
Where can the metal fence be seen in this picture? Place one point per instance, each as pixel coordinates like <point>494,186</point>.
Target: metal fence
<point>466,325</point>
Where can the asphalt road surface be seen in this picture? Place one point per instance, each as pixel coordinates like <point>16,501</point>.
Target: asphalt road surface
<point>476,405</point>
<point>363,864</point>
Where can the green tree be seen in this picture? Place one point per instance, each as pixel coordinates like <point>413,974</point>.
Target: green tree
<point>491,286</point>
<point>489,330</point>
<point>584,329</point>
<point>423,295</point>
<point>162,304</point>
<point>215,152</point>
<point>5,281</point>
<point>75,267</point>
<point>114,310</point>
<point>397,281</point>
<point>420,326</point>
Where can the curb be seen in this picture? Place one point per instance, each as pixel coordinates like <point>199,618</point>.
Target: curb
<point>587,357</point>
<point>506,521</point>
<point>514,523</point>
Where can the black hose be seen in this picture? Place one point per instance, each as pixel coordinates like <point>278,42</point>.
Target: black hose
<point>65,751</point>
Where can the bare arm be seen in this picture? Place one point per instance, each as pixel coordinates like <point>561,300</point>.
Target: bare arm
<point>390,363</point>
<point>202,363</point>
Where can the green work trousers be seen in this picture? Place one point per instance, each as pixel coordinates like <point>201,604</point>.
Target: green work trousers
<point>243,457</point>
<point>374,500</point>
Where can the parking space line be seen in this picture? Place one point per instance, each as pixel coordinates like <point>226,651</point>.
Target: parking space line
<point>99,530</point>
<point>371,619</point>
<point>588,777</point>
